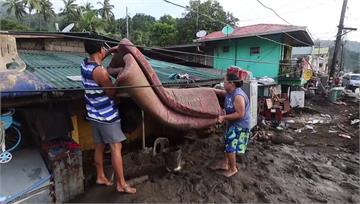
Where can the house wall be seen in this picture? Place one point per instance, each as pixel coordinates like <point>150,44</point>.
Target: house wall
<point>59,45</point>
<point>240,49</point>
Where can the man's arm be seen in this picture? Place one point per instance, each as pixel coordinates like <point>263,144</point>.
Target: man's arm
<point>102,78</point>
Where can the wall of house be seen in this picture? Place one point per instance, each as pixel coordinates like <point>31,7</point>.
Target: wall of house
<point>240,49</point>
<point>60,45</point>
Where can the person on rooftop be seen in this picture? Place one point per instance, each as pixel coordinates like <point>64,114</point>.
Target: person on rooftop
<point>237,117</point>
<point>102,113</point>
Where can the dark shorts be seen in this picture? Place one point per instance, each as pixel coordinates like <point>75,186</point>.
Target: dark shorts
<point>107,133</point>
<point>236,139</point>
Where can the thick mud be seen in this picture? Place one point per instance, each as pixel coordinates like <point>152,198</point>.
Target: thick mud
<point>319,166</point>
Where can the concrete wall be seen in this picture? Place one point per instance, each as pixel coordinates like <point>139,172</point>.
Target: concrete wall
<point>240,49</point>
<point>59,45</point>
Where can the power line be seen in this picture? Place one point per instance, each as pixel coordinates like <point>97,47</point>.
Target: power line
<point>290,12</point>
<point>125,87</point>
<point>189,9</point>
<point>146,47</point>
<point>273,12</point>
<point>265,38</point>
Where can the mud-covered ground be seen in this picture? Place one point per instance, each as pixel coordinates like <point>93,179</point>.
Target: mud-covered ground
<point>319,166</point>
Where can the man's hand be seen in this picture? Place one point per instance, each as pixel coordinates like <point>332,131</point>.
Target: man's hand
<point>111,51</point>
<point>221,119</point>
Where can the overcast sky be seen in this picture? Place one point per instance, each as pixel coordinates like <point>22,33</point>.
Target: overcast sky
<point>320,16</point>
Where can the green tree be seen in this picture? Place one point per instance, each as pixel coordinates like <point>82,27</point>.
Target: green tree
<point>90,22</point>
<point>70,9</point>
<point>46,10</point>
<point>87,7</point>
<point>15,7</point>
<point>6,24</point>
<point>70,13</point>
<point>32,5</point>
<point>208,15</point>
<point>106,10</point>
<point>142,22</point>
<point>139,37</point>
<point>167,19</point>
<point>162,34</point>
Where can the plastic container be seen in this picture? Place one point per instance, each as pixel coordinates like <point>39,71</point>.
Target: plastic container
<point>242,74</point>
<point>334,94</point>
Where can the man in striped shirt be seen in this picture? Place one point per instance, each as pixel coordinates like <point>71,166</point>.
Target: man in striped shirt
<point>102,113</point>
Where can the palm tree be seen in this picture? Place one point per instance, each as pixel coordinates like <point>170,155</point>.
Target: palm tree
<point>90,22</point>
<point>15,7</point>
<point>86,8</point>
<point>32,5</point>
<point>105,10</point>
<point>46,9</point>
<point>70,8</point>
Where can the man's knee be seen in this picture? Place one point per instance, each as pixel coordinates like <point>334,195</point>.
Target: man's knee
<point>115,148</point>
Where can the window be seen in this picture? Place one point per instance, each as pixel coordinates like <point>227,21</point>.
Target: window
<point>254,50</point>
<point>355,77</point>
<point>226,49</point>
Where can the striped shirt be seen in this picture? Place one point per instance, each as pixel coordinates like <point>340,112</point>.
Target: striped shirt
<point>99,106</point>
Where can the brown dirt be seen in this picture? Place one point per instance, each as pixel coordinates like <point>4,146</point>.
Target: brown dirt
<point>319,167</point>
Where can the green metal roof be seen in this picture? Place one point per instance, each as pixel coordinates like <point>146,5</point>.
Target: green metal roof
<point>53,68</point>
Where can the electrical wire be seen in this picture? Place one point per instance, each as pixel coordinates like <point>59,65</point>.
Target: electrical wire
<point>130,87</point>
<point>189,9</point>
<point>147,47</point>
<point>261,37</point>
<point>273,12</point>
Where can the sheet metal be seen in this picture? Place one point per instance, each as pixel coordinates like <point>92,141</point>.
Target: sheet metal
<point>49,70</point>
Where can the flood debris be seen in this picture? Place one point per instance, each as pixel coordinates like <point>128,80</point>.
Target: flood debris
<point>344,136</point>
<point>354,122</point>
<point>282,139</point>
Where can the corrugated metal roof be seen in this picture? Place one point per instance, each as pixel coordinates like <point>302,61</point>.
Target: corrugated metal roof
<point>52,68</point>
<point>257,29</point>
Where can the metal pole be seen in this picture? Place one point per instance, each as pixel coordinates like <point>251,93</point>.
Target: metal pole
<point>338,39</point>
<point>127,23</point>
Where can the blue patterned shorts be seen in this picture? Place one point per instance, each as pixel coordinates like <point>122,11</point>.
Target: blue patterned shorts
<point>236,139</point>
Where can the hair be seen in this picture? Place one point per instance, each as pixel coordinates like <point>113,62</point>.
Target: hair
<point>233,78</point>
<point>93,46</point>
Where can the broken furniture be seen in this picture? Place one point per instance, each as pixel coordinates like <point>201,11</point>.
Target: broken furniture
<point>274,106</point>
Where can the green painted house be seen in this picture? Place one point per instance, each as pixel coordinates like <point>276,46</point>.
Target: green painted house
<point>257,48</point>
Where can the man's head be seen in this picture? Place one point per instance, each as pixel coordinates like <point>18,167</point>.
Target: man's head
<point>94,47</point>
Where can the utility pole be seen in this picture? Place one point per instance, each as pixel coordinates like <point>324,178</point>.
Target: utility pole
<point>127,24</point>
<point>342,56</point>
<point>338,39</point>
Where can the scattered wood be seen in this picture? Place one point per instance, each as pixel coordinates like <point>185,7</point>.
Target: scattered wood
<point>340,103</point>
<point>343,129</point>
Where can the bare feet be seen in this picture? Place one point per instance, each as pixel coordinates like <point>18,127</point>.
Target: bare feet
<point>220,166</point>
<point>103,181</point>
<point>230,172</point>
<point>126,189</point>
